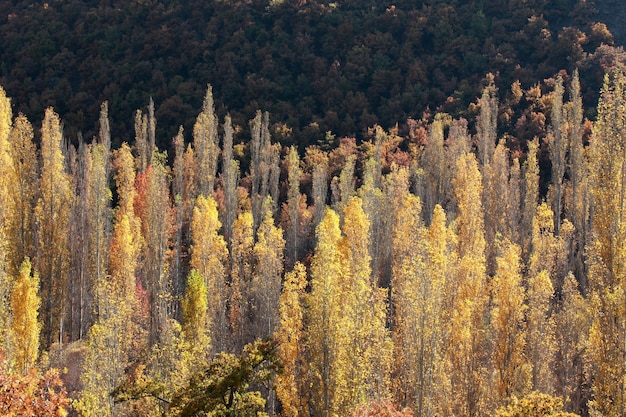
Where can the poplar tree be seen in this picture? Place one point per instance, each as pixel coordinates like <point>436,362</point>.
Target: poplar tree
<point>363,354</point>
<point>374,206</point>
<point>422,261</point>
<point>577,207</point>
<point>290,334</point>
<point>466,355</point>
<point>541,346</point>
<point>487,121</point>
<point>495,201</point>
<point>320,187</point>
<point>178,194</point>
<point>5,213</point>
<point>607,275</point>
<point>291,208</point>
<point>23,183</point>
<point>558,143</point>
<point>156,221</point>
<point>266,278</point>
<point>208,257</point>
<point>195,316</point>
<point>346,183</point>
<point>530,197</point>
<point>573,321</point>
<point>116,335</point>
<point>507,324</point>
<point>206,144</point>
<point>433,163</point>
<point>99,216</point>
<point>264,169</point>
<point>52,215</point>
<point>25,326</point>
<point>324,314</point>
<point>230,179</point>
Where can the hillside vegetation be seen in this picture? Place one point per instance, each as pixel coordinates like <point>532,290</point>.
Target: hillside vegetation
<point>316,66</point>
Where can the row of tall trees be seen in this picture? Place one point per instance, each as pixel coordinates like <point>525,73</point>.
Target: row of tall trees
<point>429,270</point>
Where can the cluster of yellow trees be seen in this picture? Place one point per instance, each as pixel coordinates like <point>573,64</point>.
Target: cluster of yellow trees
<point>427,270</point>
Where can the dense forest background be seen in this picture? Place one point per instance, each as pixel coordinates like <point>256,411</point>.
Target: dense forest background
<point>312,209</point>
<point>316,66</point>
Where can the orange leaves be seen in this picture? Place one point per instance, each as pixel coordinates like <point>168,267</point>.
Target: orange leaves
<point>384,408</point>
<point>32,394</point>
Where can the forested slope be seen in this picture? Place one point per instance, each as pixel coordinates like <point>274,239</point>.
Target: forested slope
<point>315,66</point>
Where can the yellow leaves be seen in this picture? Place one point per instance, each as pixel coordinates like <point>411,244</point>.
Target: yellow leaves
<point>289,336</point>
<point>208,254</point>
<point>25,303</point>
<point>535,404</point>
<point>507,321</point>
<point>195,320</point>
<point>209,248</point>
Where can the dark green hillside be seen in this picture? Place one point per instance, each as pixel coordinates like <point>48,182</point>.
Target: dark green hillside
<point>315,66</point>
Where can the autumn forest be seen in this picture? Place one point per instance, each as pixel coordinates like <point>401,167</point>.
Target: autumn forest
<point>467,262</point>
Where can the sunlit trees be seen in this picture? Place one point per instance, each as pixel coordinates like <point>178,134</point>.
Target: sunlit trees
<point>52,215</point>
<point>290,387</point>
<point>466,353</point>
<point>363,348</point>
<point>607,275</point>
<point>208,257</point>
<point>25,327</point>
<point>323,307</point>
<point>267,275</point>
<point>206,145</point>
<point>33,394</point>
<point>422,260</point>
<point>507,324</point>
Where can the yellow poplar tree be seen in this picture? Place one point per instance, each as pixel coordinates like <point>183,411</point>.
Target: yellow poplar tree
<point>507,325</point>
<point>541,332</point>
<point>323,314</point>
<point>112,338</point>
<point>572,321</point>
<point>242,244</point>
<point>23,182</point>
<point>363,356</point>
<point>5,203</point>
<point>531,196</point>
<point>465,392</point>
<point>52,215</point>
<point>266,279</point>
<point>195,318</point>
<point>208,256</point>
<point>290,336</point>
<point>607,255</point>
<point>25,327</point>
<point>421,263</point>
